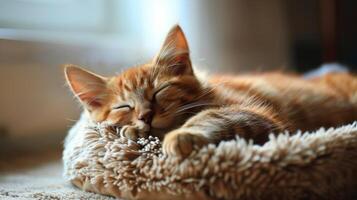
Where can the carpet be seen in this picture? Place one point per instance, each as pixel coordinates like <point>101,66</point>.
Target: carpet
<point>38,175</point>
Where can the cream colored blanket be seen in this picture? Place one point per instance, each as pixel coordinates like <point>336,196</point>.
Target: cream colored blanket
<point>316,165</point>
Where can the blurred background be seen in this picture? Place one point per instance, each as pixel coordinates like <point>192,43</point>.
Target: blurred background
<point>228,36</point>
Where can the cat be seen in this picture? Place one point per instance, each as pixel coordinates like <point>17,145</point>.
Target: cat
<point>168,99</point>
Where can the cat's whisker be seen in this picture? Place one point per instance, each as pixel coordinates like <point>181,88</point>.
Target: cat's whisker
<point>183,113</point>
<point>71,120</point>
<point>169,107</point>
<point>208,91</point>
<point>194,105</point>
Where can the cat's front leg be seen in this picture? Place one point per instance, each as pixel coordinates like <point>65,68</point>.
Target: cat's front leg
<point>181,142</point>
<point>196,132</point>
<point>215,125</point>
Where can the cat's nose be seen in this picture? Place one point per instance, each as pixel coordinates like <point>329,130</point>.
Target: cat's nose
<point>146,116</point>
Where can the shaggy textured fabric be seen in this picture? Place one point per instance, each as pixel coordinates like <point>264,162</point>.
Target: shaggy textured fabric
<point>316,165</point>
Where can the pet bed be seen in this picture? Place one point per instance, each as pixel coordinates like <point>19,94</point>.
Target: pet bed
<point>311,165</point>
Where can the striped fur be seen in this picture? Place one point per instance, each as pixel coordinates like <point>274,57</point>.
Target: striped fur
<point>164,98</point>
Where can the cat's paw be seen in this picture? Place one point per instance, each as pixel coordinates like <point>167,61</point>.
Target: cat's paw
<point>129,132</point>
<point>132,132</point>
<point>181,143</point>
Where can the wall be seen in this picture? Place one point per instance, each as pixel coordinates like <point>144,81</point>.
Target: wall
<point>225,36</point>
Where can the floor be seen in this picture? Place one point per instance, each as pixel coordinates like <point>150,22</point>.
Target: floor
<point>37,175</point>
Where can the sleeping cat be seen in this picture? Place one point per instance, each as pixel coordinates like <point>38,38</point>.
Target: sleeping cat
<point>166,98</point>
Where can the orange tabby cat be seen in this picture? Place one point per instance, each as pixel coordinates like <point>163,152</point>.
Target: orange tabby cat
<point>165,98</point>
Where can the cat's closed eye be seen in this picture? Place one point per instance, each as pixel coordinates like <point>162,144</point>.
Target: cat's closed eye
<point>121,107</point>
<point>160,92</point>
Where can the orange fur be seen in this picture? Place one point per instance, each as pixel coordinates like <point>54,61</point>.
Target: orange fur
<point>164,98</point>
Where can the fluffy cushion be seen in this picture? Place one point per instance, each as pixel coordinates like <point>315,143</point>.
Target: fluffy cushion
<point>316,165</point>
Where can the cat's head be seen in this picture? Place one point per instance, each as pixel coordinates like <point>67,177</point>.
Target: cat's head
<point>159,94</point>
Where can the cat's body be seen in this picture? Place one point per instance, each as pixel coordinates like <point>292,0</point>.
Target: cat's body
<point>164,98</point>
<point>298,103</point>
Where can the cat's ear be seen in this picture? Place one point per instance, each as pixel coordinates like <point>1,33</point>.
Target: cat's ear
<point>89,88</point>
<point>174,54</point>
